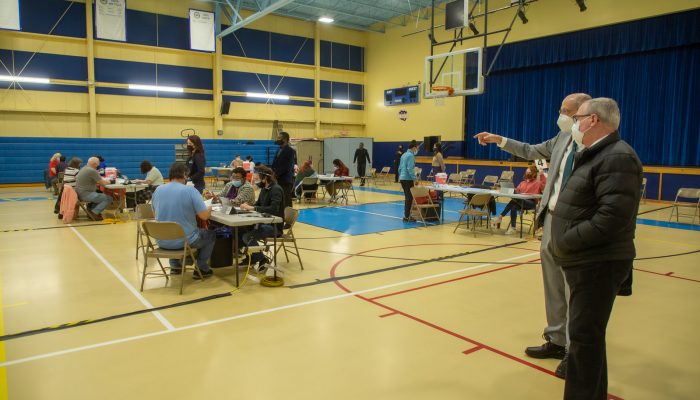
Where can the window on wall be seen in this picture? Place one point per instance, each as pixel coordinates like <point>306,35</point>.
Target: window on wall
<point>342,56</point>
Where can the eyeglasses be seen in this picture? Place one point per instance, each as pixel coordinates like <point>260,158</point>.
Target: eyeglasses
<point>577,118</point>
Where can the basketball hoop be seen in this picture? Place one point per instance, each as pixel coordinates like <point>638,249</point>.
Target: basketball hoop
<point>440,92</point>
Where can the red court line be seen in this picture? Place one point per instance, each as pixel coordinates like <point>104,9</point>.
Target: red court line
<point>668,275</point>
<point>387,315</point>
<point>473,349</point>
<point>452,280</point>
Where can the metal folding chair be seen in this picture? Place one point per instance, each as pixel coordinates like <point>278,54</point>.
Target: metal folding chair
<point>166,231</point>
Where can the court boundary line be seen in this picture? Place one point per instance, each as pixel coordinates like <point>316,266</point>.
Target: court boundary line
<point>123,280</point>
<point>242,316</point>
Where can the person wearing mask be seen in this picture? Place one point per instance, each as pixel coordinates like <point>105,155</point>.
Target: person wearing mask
<point>237,162</point>
<point>69,175</point>
<point>340,169</point>
<point>438,163</point>
<point>407,177</point>
<point>103,165</point>
<point>86,182</point>
<point>196,162</point>
<point>593,228</point>
<point>238,190</point>
<point>557,150</point>
<point>361,159</point>
<point>177,202</point>
<point>530,185</point>
<point>270,201</point>
<point>397,160</point>
<point>306,171</point>
<point>153,179</point>
<point>251,164</point>
<point>283,166</point>
<point>61,167</point>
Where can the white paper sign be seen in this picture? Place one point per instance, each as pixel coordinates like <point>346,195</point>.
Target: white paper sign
<point>9,14</point>
<point>110,19</point>
<point>202,31</point>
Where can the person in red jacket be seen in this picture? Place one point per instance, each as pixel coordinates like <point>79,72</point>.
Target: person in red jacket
<point>340,170</point>
<point>530,185</point>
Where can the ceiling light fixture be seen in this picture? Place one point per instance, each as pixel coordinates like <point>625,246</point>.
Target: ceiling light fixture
<point>157,88</point>
<point>267,96</point>
<point>10,78</point>
<point>341,101</point>
<point>326,20</point>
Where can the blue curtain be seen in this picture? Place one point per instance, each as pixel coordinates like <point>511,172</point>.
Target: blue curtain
<point>656,84</point>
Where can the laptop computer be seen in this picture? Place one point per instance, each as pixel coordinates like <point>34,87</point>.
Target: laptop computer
<point>507,187</point>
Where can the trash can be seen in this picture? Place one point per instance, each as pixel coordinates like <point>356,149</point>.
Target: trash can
<point>222,255</point>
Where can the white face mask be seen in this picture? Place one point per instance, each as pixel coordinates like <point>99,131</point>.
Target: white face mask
<point>577,135</point>
<point>565,123</point>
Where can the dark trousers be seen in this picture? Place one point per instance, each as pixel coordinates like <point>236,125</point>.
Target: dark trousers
<point>593,290</point>
<point>408,201</point>
<point>514,206</point>
<point>396,171</point>
<point>361,169</point>
<point>287,188</point>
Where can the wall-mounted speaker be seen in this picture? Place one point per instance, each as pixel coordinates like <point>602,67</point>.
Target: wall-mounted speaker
<point>225,106</point>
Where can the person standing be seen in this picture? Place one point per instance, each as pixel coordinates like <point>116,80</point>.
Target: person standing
<point>283,166</point>
<point>556,149</point>
<point>361,158</point>
<point>197,162</point>
<point>593,230</point>
<point>397,160</point>
<point>177,202</point>
<point>438,162</point>
<point>407,177</point>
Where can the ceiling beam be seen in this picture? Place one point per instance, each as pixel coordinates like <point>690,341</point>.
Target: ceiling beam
<point>335,10</point>
<point>314,18</point>
<point>255,16</point>
<point>395,12</point>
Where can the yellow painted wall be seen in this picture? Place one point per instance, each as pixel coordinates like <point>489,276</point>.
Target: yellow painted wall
<point>66,114</point>
<point>395,61</point>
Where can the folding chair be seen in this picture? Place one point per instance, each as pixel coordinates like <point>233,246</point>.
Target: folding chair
<point>306,182</point>
<point>453,179</point>
<point>471,212</point>
<point>490,180</point>
<point>144,212</point>
<point>644,190</point>
<point>166,231</point>
<point>422,201</point>
<point>342,191</point>
<point>467,177</point>
<point>687,194</point>
<point>419,172</point>
<point>506,176</point>
<point>384,175</point>
<point>290,218</point>
<point>372,177</point>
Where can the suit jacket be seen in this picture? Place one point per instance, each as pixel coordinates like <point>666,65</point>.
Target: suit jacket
<point>361,157</point>
<point>283,164</point>
<point>552,150</point>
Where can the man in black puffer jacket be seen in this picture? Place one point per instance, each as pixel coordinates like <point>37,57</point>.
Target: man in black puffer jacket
<point>593,238</point>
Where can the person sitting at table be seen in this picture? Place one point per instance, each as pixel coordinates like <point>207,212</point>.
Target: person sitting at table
<point>251,164</point>
<point>340,170</point>
<point>237,162</point>
<point>154,178</point>
<point>238,190</point>
<point>102,166</point>
<point>530,185</point>
<point>53,173</point>
<point>86,185</point>
<point>180,203</point>
<point>68,179</point>
<point>270,201</point>
<point>306,171</point>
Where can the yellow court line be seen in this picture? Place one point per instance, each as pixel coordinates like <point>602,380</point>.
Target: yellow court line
<point>24,303</point>
<point>3,370</point>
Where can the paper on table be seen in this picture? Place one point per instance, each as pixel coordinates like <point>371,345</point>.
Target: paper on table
<point>208,202</point>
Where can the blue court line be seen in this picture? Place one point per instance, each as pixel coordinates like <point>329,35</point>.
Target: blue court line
<point>375,190</point>
<point>666,224</point>
<point>9,199</point>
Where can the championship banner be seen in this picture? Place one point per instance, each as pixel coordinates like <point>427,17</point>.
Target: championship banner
<point>110,19</point>
<point>202,30</point>
<point>9,14</point>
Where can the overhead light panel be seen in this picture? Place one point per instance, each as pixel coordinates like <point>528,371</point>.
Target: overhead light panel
<point>157,88</point>
<point>326,20</point>
<point>267,96</point>
<point>23,79</point>
<point>341,101</point>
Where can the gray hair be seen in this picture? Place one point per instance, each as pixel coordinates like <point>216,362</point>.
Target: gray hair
<point>606,109</point>
<point>579,98</point>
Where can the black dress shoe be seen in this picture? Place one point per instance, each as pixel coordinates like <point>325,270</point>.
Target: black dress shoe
<point>547,350</point>
<point>561,369</point>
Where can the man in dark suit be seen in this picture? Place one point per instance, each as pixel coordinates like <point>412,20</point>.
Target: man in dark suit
<point>397,160</point>
<point>556,149</point>
<point>593,230</point>
<point>362,158</point>
<point>283,166</point>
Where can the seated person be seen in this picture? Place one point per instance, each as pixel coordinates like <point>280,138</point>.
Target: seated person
<point>86,185</point>
<point>306,171</point>
<point>68,179</point>
<point>177,202</point>
<point>270,201</point>
<point>237,162</point>
<point>238,190</point>
<point>61,167</point>
<point>153,179</point>
<point>531,185</point>
<point>103,165</point>
<point>251,164</point>
<point>340,170</point>
<point>53,172</point>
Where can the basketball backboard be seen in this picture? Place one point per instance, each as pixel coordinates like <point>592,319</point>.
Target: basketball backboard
<point>457,73</point>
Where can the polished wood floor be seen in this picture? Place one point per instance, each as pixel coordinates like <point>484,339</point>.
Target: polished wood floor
<point>394,323</point>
